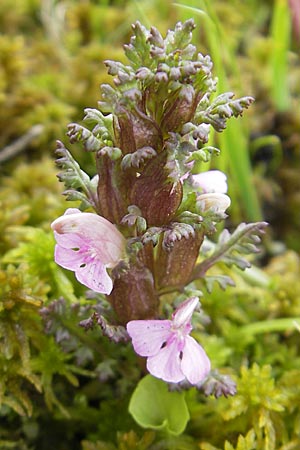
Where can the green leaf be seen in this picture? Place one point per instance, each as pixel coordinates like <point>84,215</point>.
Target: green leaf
<point>244,443</point>
<point>152,235</point>
<point>204,154</point>
<point>221,109</point>
<point>78,183</point>
<point>279,55</point>
<point>78,133</point>
<point>138,158</point>
<point>229,247</point>
<point>175,233</point>
<point>222,280</point>
<point>138,51</point>
<point>180,37</point>
<point>153,406</point>
<point>134,219</point>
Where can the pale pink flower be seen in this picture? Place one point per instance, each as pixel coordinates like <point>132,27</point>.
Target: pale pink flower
<point>172,354</point>
<point>88,244</point>
<point>213,187</point>
<point>220,202</point>
<point>210,181</point>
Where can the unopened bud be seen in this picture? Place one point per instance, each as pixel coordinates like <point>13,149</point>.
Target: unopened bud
<point>218,202</point>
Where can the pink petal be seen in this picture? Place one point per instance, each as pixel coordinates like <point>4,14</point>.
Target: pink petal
<point>148,335</point>
<point>101,234</point>
<point>166,364</point>
<point>72,211</point>
<point>107,252</point>
<point>110,249</point>
<point>68,258</point>
<point>195,363</point>
<point>69,240</point>
<point>95,277</point>
<point>184,312</point>
<point>211,181</point>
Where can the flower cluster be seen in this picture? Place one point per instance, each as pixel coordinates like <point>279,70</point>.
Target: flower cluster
<point>144,215</point>
<point>89,244</point>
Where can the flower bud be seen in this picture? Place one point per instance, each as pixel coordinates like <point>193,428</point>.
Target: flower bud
<point>219,202</point>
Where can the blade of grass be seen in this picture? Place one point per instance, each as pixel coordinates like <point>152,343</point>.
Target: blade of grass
<point>280,33</point>
<point>234,140</point>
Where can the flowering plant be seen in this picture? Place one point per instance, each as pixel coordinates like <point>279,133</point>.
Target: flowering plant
<point>141,235</point>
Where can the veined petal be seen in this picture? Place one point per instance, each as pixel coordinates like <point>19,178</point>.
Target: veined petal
<point>148,336</point>
<point>94,276</point>
<point>68,258</point>
<point>166,364</point>
<point>109,250</point>
<point>210,181</point>
<point>69,240</point>
<point>100,234</point>
<point>195,363</point>
<point>184,312</point>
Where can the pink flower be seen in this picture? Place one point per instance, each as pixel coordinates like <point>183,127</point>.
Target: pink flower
<point>210,181</point>
<point>213,185</point>
<point>172,354</point>
<point>88,244</point>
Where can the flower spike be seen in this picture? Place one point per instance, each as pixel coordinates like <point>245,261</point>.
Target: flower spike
<point>172,354</point>
<point>88,244</point>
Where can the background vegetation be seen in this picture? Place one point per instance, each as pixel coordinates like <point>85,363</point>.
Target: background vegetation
<point>64,388</point>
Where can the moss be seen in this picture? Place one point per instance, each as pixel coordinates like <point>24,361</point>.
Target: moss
<point>62,387</point>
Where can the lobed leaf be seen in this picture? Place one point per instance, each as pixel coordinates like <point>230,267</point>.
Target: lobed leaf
<point>78,184</point>
<point>221,109</point>
<point>138,158</point>
<point>176,232</point>
<point>78,133</point>
<point>230,246</point>
<point>138,51</point>
<point>222,280</point>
